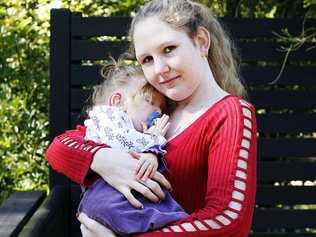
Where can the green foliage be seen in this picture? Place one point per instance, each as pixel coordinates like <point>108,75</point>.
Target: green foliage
<point>23,96</point>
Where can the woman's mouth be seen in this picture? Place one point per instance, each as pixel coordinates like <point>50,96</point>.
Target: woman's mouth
<point>170,80</point>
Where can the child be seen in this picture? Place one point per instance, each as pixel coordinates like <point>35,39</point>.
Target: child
<point>121,107</point>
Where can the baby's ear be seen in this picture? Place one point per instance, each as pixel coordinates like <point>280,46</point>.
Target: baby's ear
<point>115,99</point>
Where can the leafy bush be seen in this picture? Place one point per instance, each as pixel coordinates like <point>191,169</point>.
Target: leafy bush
<point>23,96</point>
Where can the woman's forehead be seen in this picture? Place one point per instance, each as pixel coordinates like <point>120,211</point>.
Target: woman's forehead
<point>152,33</point>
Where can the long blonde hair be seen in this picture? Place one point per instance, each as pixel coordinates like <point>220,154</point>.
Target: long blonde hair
<point>188,16</point>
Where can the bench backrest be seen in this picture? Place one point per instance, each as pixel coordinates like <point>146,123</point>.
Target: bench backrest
<point>286,110</point>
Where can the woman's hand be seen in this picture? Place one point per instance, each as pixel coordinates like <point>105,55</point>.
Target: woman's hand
<point>117,169</point>
<point>92,228</point>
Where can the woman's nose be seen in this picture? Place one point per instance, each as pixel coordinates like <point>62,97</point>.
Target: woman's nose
<point>161,66</point>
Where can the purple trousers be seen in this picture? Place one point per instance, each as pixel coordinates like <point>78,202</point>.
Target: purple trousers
<point>106,205</point>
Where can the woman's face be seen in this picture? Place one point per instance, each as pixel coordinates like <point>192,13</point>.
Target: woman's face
<point>171,60</point>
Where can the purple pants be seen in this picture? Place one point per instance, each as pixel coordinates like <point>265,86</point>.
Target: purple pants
<point>106,205</point>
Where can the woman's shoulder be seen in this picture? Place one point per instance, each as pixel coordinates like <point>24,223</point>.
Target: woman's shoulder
<point>229,108</point>
<point>232,104</point>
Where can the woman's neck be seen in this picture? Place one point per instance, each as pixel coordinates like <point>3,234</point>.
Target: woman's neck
<point>190,109</point>
<point>207,94</point>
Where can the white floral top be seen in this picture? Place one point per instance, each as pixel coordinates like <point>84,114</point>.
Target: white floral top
<point>112,126</point>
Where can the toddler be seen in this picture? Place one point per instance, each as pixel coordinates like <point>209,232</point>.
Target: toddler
<point>122,116</point>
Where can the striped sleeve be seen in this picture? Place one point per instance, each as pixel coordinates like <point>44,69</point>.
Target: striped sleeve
<point>71,155</point>
<point>231,183</point>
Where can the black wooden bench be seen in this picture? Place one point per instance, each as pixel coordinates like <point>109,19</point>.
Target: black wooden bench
<point>286,112</point>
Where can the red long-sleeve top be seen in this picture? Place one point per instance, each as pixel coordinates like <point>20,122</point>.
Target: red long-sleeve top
<point>211,167</point>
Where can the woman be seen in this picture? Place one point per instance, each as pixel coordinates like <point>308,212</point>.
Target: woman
<point>211,149</point>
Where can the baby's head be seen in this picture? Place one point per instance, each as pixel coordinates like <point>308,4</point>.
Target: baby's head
<point>125,86</point>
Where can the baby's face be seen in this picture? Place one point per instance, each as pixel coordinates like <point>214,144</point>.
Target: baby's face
<point>140,107</point>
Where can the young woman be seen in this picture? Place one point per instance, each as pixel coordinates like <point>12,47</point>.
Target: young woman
<point>211,148</point>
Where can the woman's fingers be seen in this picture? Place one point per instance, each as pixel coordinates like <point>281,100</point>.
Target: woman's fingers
<point>130,197</point>
<point>91,228</point>
<point>142,188</point>
<point>84,231</point>
<point>162,180</point>
<point>87,222</point>
<point>148,171</point>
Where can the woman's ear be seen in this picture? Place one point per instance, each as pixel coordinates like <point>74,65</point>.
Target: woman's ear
<point>203,40</point>
<point>115,99</point>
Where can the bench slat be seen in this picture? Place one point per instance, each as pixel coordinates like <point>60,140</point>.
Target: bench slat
<point>86,50</point>
<point>278,218</point>
<point>17,210</point>
<point>287,147</point>
<point>286,195</point>
<point>280,234</point>
<point>286,99</point>
<point>269,171</point>
<point>99,26</point>
<point>286,123</point>
<point>239,28</point>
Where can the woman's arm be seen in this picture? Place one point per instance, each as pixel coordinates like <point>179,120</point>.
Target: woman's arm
<point>72,156</point>
<point>231,183</point>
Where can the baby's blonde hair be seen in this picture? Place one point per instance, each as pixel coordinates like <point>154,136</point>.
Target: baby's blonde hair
<point>188,16</point>
<point>118,75</point>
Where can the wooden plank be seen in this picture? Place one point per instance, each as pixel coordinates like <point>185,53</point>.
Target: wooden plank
<point>75,193</point>
<point>286,123</point>
<point>17,210</point>
<point>238,27</point>
<point>286,147</point>
<point>286,171</point>
<point>59,116</point>
<point>292,75</point>
<point>283,99</point>
<point>286,195</point>
<point>87,50</point>
<point>270,51</point>
<point>52,217</point>
<point>290,233</point>
<point>278,218</point>
<point>100,26</point>
<point>85,75</point>
<point>263,27</point>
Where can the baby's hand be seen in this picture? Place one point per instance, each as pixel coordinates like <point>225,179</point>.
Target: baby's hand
<point>146,167</point>
<point>160,127</point>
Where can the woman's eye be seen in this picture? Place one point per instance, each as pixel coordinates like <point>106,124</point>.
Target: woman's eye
<point>146,60</point>
<point>169,49</point>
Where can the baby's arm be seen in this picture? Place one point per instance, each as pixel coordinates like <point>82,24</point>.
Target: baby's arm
<point>148,163</point>
<point>147,166</point>
<point>160,126</point>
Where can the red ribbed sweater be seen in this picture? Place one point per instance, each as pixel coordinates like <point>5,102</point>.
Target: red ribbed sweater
<point>211,167</point>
